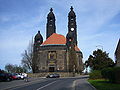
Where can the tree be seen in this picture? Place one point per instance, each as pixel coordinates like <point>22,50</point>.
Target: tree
<point>10,68</point>
<point>2,71</point>
<point>99,60</point>
<point>27,57</point>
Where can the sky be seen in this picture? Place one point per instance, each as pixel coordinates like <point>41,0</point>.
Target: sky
<point>98,25</point>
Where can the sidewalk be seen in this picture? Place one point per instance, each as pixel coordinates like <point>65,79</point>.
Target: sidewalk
<point>83,84</point>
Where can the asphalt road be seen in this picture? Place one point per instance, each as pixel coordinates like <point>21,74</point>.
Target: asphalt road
<point>78,83</point>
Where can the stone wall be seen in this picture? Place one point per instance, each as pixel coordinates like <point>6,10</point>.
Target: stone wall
<point>44,74</point>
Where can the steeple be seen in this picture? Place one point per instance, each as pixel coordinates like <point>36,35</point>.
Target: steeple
<point>38,40</point>
<point>72,24</point>
<point>71,8</point>
<point>50,27</point>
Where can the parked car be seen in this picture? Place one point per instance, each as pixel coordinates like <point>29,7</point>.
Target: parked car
<point>14,77</point>
<point>23,75</point>
<point>18,76</point>
<point>5,77</point>
<point>53,75</point>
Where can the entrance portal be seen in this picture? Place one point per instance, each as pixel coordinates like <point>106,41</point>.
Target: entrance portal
<point>51,69</point>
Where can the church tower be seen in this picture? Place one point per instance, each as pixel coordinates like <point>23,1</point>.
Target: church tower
<point>51,28</point>
<point>38,40</point>
<point>72,27</point>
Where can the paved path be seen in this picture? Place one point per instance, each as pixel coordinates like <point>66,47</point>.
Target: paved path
<point>83,84</point>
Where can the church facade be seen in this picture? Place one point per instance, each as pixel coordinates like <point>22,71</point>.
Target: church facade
<point>57,53</point>
<point>117,54</point>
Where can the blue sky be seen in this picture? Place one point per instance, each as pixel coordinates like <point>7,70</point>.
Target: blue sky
<point>98,24</point>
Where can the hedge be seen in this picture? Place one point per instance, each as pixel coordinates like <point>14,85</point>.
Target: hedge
<point>112,74</point>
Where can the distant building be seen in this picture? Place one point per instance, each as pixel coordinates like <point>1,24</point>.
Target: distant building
<point>53,55</point>
<point>117,54</point>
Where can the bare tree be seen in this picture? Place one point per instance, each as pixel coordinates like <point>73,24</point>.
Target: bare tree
<point>27,56</point>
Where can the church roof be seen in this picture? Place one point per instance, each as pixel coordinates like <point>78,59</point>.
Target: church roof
<point>57,39</point>
<point>77,49</point>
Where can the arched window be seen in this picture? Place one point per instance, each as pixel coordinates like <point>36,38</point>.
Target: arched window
<point>52,55</point>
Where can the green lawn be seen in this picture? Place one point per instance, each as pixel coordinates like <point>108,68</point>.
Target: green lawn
<point>100,84</point>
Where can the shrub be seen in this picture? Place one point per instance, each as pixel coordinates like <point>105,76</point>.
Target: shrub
<point>107,73</point>
<point>116,74</point>
<point>112,74</point>
<point>96,74</point>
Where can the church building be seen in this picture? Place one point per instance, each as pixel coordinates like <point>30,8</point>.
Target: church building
<point>57,53</point>
<point>117,54</point>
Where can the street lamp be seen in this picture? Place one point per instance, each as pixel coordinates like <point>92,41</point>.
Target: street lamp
<point>100,46</point>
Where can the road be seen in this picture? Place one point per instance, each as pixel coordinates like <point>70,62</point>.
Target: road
<point>76,83</point>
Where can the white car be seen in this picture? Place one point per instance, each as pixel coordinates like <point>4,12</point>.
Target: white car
<point>19,76</point>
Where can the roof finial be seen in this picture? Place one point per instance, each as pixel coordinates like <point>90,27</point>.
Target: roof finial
<point>71,8</point>
<point>38,31</point>
<point>51,9</point>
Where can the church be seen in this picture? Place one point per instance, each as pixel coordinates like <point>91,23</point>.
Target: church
<point>117,54</point>
<point>57,53</point>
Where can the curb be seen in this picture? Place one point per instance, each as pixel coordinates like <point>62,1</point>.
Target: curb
<point>92,86</point>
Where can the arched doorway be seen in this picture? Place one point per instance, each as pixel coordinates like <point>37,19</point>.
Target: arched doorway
<point>51,68</point>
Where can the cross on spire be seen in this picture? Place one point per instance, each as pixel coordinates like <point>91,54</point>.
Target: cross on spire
<point>71,8</point>
<point>51,9</point>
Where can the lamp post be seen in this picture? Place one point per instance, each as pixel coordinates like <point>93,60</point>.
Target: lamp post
<point>100,46</point>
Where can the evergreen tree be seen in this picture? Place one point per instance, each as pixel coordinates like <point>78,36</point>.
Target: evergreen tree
<point>99,60</point>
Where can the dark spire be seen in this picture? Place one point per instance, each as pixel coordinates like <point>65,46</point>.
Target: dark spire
<point>39,32</point>
<point>51,14</point>
<point>72,13</point>
<point>72,24</point>
<point>38,38</point>
<point>50,27</point>
<point>71,8</point>
<point>51,9</point>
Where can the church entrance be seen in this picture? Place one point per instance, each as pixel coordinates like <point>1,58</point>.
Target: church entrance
<point>51,69</point>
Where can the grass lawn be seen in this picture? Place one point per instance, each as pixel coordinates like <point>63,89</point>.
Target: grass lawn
<point>101,84</point>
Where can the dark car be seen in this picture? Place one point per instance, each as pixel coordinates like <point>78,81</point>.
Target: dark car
<point>53,76</point>
<point>5,77</point>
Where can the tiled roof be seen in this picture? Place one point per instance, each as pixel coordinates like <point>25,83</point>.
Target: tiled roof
<point>76,48</point>
<point>57,39</point>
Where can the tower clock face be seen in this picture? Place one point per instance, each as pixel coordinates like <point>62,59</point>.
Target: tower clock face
<point>72,29</point>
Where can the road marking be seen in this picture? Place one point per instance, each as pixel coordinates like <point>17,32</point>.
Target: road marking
<point>73,85</point>
<point>46,85</point>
